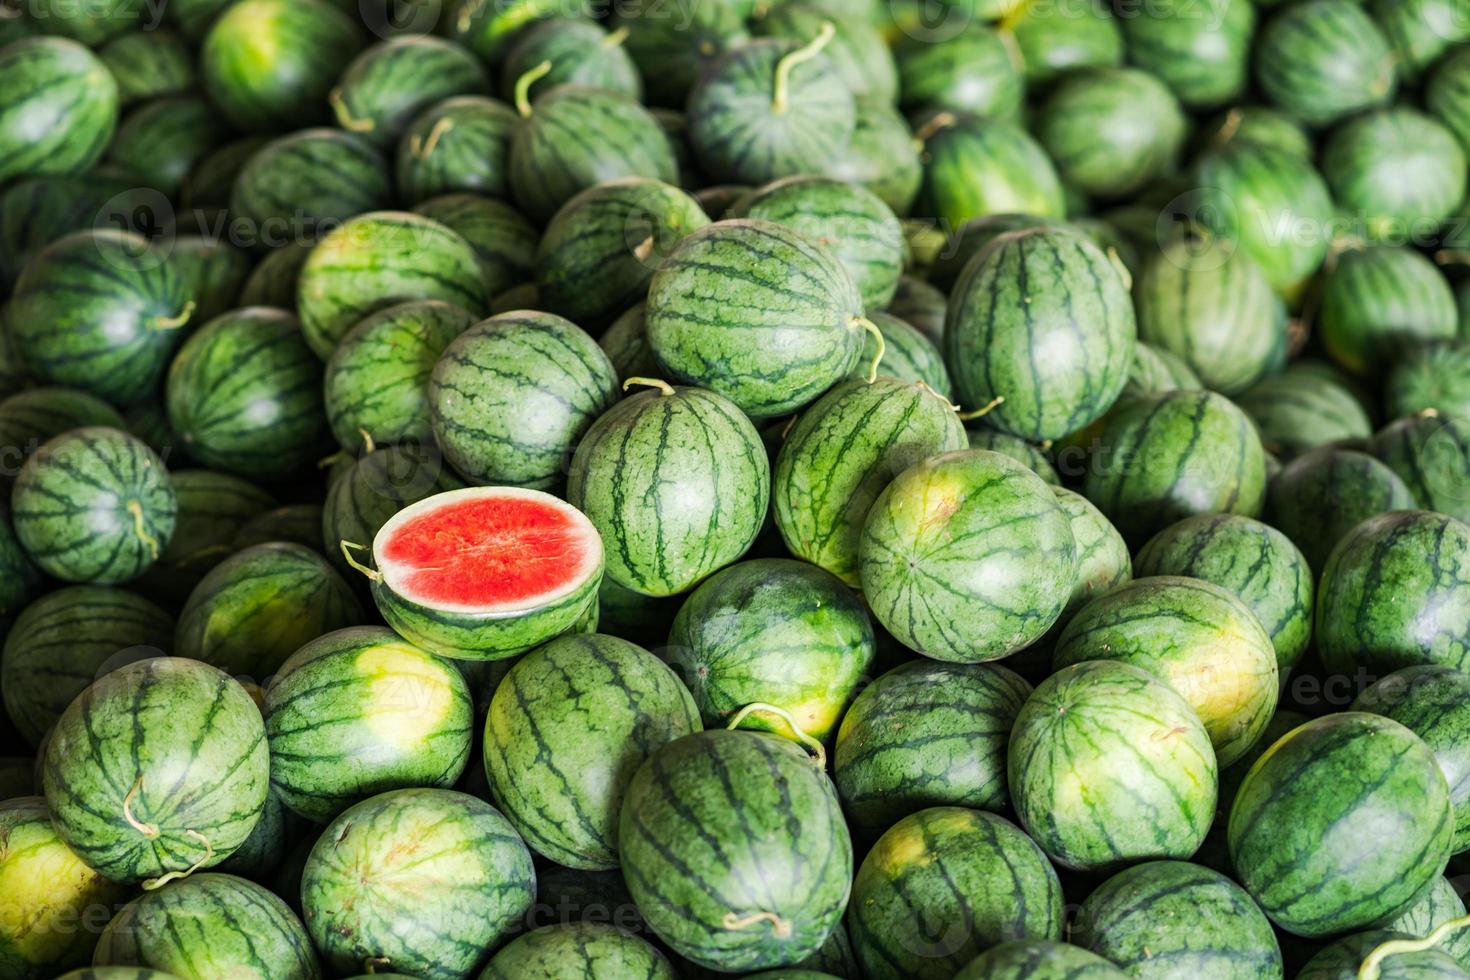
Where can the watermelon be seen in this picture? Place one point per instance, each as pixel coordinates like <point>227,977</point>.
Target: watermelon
<point>578,949</point>
<point>29,418</point>
<point>59,109</point>
<point>1038,959</point>
<point>944,884</point>
<point>566,730</point>
<point>1304,408</point>
<point>580,52</point>
<point>769,109</point>
<point>1426,160</point>
<point>489,29</point>
<point>1431,454</point>
<point>65,640</point>
<point>295,523</point>
<point>574,137</point>
<point>161,141</point>
<point>920,305</point>
<point>1318,498</point>
<point>1071,35</point>
<point>379,259</point>
<point>423,880</point>
<point>927,734</point>
<point>48,890</point>
<point>213,272</point>
<point>1344,959</point>
<point>199,736</point>
<point>257,607</point>
<point>311,179</point>
<point>374,488</point>
<point>1041,324</point>
<point>1153,372</point>
<point>100,311</point>
<point>93,505</point>
<point>1103,562</point>
<point>861,231</point>
<point>858,51</point>
<point>385,87</point>
<point>1435,376</point>
<point>968,70</point>
<point>20,579</point>
<point>357,712</point>
<point>1378,300</point>
<point>265,849</point>
<point>734,848</point>
<point>36,211</point>
<point>1420,31</point>
<point>1440,903</point>
<point>205,192</point>
<point>91,24</point>
<point>510,397</point>
<point>1322,60</point>
<point>273,280</point>
<point>531,567</point>
<point>906,354</point>
<point>756,312</point>
<point>245,394</point>
<point>118,973</point>
<point>1446,92</point>
<point>1263,125</point>
<point>974,166</point>
<point>625,342</point>
<point>972,237</point>
<point>1431,701</point>
<point>664,537</point>
<point>673,52</point>
<point>503,240</point>
<point>1297,827</point>
<point>147,64</point>
<point>780,634</point>
<point>1254,561</point>
<point>1393,594</point>
<point>881,157</point>
<point>1201,54</point>
<point>459,144</point>
<point>1138,748</point>
<point>1163,917</point>
<point>600,250</point>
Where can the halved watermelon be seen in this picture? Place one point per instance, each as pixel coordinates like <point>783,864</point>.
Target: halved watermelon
<point>485,573</point>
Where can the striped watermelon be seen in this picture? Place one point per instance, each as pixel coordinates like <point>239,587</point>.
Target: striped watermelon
<point>273,280</point>
<point>20,579</point>
<point>1378,300</point>
<point>385,87</point>
<point>1043,321</point>
<point>213,271</point>
<point>489,29</point>
<point>580,52</point>
<point>1318,498</point>
<point>423,880</point>
<point>926,734</point>
<point>920,305</point>
<point>1155,371</point>
<point>36,211</point>
<point>1344,959</point>
<point>59,109</point>
<point>1427,161</point>
<point>1138,747</point>
<point>1072,35</point>
<point>566,729</point>
<point>756,312</point>
<point>1440,903</point>
<point>264,851</point>
<point>188,726</point>
<point>907,355</point>
<point>665,535</point>
<point>1263,125</point>
<point>92,24</point>
<point>882,157</point>
<point>67,639</point>
<point>510,397</point>
<point>377,377</point>
<point>310,179</point>
<point>1321,60</point>
<point>764,879</point>
<point>1420,32</point>
<point>245,395</point>
<point>93,505</point>
<point>461,144</point>
<point>600,250</point>
<point>842,452</point>
<point>971,238</point>
<point>295,523</point>
<point>1018,449</point>
<point>974,166</point>
<point>257,607</point>
<point>1393,594</point>
<point>573,949</point>
<point>940,557</point>
<point>531,565</point>
<point>1038,959</point>
<point>773,632</point>
<point>1103,562</point>
<point>672,53</point>
<point>503,240</point>
<point>147,64</point>
<point>1156,919</point>
<point>1447,91</point>
<point>269,64</point>
<point>100,311</point>
<point>210,925</point>
<point>48,890</point>
<point>1254,561</point>
<point>212,507</point>
<point>374,488</point>
<point>357,712</point>
<point>858,51</point>
<point>379,259</point>
<point>942,885</point>
<point>970,70</point>
<point>1431,454</point>
<point>1304,407</point>
<point>1295,794</point>
<point>161,141</point>
<point>1202,54</point>
<point>29,418</point>
<point>1430,376</point>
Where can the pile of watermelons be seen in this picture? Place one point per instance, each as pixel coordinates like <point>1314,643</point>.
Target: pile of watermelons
<point>672,488</point>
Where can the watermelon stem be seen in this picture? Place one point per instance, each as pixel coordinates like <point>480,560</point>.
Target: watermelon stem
<point>1369,969</point>
<point>940,120</point>
<point>146,829</point>
<point>925,387</point>
<point>152,884</point>
<point>983,410</point>
<point>818,749</point>
<point>173,322</point>
<point>371,964</point>
<point>665,389</point>
<point>615,39</point>
<point>344,115</point>
<point>1452,256</point>
<point>467,15</point>
<point>367,440</point>
<point>779,926</point>
<point>347,548</point>
<point>781,92</point>
<point>420,148</point>
<point>523,87</point>
<point>872,329</point>
<point>140,528</point>
<point>1121,267</point>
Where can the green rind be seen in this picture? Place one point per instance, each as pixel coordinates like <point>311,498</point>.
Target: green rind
<point>374,488</point>
<point>578,949</point>
<point>1427,163</point>
<point>1202,54</point>
<point>310,179</point>
<point>970,70</point>
<point>1435,907</point>
<point>1430,376</point>
<point>213,271</point>
<point>1103,562</point>
<point>1324,59</point>
<point>161,141</point>
<point>974,166</point>
<point>212,507</point>
<point>31,417</point>
<point>502,239</point>
<point>580,52</point>
<point>147,64</point>
<point>1343,960</point>
<point>1318,498</point>
<point>59,111</point>
<point>672,53</point>
<point>1378,300</point>
<point>459,145</point>
<point>1304,408</point>
<point>1431,454</point>
<point>385,87</point>
<point>1038,959</point>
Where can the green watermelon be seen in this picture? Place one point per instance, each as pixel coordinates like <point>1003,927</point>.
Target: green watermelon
<point>1420,31</point>
<point>1431,454</point>
<point>460,144</point>
<point>566,730</point>
<point>776,633</point>
<point>162,140</point>
<point>1018,449</point>
<point>1378,300</point>
<point>842,452</point>
<point>59,109</point>
<point>357,712</point>
<point>972,237</point>
<point>510,397</point>
<point>264,850</point>
<point>920,305</point>
<point>907,354</point>
<point>578,949</point>
<point>882,157</point>
<point>100,311</point>
<point>379,259</point>
<point>1254,561</point>
<point>20,579</point>
<point>245,395</point>
<point>734,848</point>
<point>944,884</point>
<point>1394,594</point>
<point>927,734</point>
<point>1038,959</point>
<point>677,481</point>
<point>1344,959</point>
<point>503,241</point>
<point>273,280</point>
<point>36,211</point>
<point>941,558</point>
<point>1434,376</point>
<point>199,736</point>
<point>1201,53</point>
<point>974,166</point>
<point>529,569</point>
<point>93,505</point>
<point>67,639</point>
<point>257,607</point>
<point>385,87</point>
<point>1440,903</point>
<point>31,417</point>
<point>489,29</point>
<point>1297,827</point>
<point>756,312</point>
<point>1158,919</point>
<point>1446,93</point>
<point>210,925</point>
<point>213,272</point>
<point>1103,562</point>
<point>1071,35</point>
<point>580,52</point>
<point>1427,165</point>
<point>1318,498</point>
<point>858,51</point>
<point>1321,60</point>
<point>1304,408</point>
<point>423,880</point>
<point>147,64</point>
<point>1143,755</point>
<point>1263,125</point>
<point>625,342</point>
<point>374,488</point>
<point>967,70</point>
<point>673,52</point>
<point>1155,371</point>
<point>311,179</point>
<point>295,523</point>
